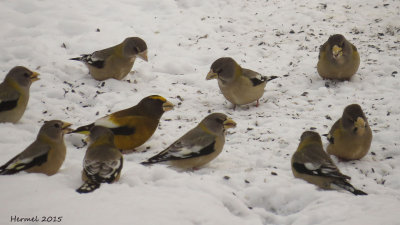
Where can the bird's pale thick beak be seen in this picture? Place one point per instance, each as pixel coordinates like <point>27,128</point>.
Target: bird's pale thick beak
<point>34,76</point>
<point>229,123</point>
<point>360,123</point>
<point>337,51</point>
<point>143,55</point>
<point>211,75</point>
<point>167,106</point>
<point>66,127</point>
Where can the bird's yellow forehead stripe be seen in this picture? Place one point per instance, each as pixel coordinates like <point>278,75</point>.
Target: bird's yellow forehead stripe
<point>158,97</point>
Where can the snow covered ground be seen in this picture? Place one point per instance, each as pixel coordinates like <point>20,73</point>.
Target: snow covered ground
<point>251,181</point>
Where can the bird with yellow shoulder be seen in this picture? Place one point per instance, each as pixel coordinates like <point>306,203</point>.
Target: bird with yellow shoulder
<point>133,126</point>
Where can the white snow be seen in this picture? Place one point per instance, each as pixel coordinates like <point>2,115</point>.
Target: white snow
<point>251,181</point>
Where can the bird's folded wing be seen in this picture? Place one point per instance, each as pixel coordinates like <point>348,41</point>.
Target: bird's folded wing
<point>8,99</point>
<point>193,144</point>
<point>318,165</point>
<point>103,171</point>
<point>34,155</point>
<point>92,60</point>
<point>196,142</point>
<point>254,77</point>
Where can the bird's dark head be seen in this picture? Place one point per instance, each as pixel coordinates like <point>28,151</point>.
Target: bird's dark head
<point>22,76</point>
<point>310,135</point>
<point>217,123</point>
<point>54,129</point>
<point>155,105</point>
<point>338,45</point>
<point>337,39</point>
<point>100,132</point>
<point>353,117</point>
<point>223,69</point>
<point>135,47</point>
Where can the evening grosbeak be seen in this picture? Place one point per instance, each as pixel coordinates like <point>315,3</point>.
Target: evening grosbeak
<point>45,155</point>
<point>198,146</point>
<point>102,162</point>
<point>338,59</point>
<point>133,126</point>
<point>350,136</point>
<point>312,164</point>
<point>14,93</point>
<point>114,62</point>
<point>239,85</point>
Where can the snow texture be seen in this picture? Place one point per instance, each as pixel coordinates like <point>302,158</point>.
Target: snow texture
<point>251,181</point>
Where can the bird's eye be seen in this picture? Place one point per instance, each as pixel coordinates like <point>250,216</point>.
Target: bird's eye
<point>219,120</point>
<point>26,75</point>
<point>219,71</point>
<point>57,125</point>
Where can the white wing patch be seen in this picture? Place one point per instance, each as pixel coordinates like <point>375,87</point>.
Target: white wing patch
<point>312,166</point>
<point>103,169</point>
<point>94,58</point>
<point>327,170</point>
<point>19,162</point>
<point>186,151</point>
<point>106,122</point>
<point>258,76</point>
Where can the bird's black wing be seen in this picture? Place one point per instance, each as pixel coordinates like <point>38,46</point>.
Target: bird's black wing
<point>91,60</point>
<point>25,160</point>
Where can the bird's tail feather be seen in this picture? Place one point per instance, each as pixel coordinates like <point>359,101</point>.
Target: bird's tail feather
<point>160,157</point>
<point>88,187</point>
<point>147,163</point>
<point>3,171</point>
<point>350,188</point>
<point>271,78</point>
<point>76,58</point>
<point>82,58</point>
<point>8,172</point>
<point>6,169</point>
<point>359,192</point>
